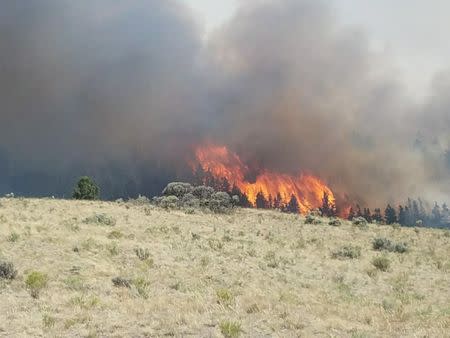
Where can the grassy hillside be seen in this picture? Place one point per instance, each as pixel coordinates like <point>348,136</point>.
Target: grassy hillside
<point>100,269</point>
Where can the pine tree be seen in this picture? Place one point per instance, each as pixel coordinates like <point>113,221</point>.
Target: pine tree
<point>390,215</point>
<point>367,215</point>
<point>351,214</point>
<point>328,208</point>
<point>358,211</point>
<point>278,201</point>
<point>293,205</point>
<point>261,202</point>
<point>270,202</point>
<point>377,217</point>
<point>401,215</point>
<point>436,214</point>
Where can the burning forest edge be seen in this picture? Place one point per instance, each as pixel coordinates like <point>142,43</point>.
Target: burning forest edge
<point>218,167</point>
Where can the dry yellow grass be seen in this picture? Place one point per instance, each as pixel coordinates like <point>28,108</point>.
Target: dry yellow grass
<point>253,273</point>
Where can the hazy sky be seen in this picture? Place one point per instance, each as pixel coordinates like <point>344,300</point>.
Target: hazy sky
<point>413,34</point>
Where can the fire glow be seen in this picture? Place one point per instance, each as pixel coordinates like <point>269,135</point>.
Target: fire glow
<point>221,163</point>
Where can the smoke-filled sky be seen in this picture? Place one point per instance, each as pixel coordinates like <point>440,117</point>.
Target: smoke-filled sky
<point>123,90</point>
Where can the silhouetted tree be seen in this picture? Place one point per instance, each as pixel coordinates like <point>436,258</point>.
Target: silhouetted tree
<point>436,214</point>
<point>376,216</point>
<point>293,205</point>
<point>243,199</point>
<point>401,215</point>
<point>270,202</point>
<point>261,202</point>
<point>328,208</point>
<point>390,215</point>
<point>351,214</point>
<point>358,212</point>
<point>367,215</point>
<point>278,201</point>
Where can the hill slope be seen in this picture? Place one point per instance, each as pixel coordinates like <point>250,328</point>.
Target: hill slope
<point>260,273</point>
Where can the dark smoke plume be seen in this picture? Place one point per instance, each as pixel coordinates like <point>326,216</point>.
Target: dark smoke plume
<point>122,90</point>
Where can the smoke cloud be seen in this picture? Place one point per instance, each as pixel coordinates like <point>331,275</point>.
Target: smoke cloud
<point>121,91</point>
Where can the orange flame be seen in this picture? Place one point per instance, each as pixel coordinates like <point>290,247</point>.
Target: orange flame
<point>224,164</point>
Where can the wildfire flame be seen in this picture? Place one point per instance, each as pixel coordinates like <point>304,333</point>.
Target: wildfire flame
<point>221,163</point>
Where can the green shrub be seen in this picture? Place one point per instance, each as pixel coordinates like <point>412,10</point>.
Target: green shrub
<point>142,254</point>
<point>7,270</point>
<point>351,252</point>
<point>230,329</point>
<point>190,201</point>
<point>384,244</point>
<point>178,189</point>
<point>224,297</point>
<point>360,222</point>
<point>168,202</point>
<point>86,189</point>
<point>202,192</point>
<point>116,234</point>
<point>336,222</point>
<point>312,219</point>
<point>13,237</point>
<point>381,263</point>
<point>35,282</point>
<point>142,287</point>
<point>220,203</point>
<point>100,219</point>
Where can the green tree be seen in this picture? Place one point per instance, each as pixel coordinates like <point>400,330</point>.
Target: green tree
<point>293,205</point>
<point>86,189</point>
<point>390,215</point>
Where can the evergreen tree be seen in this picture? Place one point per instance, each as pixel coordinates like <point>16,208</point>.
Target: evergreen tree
<point>86,189</point>
<point>436,214</point>
<point>328,208</point>
<point>270,202</point>
<point>367,215</point>
<point>390,215</point>
<point>358,211</point>
<point>278,201</point>
<point>243,199</point>
<point>293,205</point>
<point>261,202</point>
<point>351,214</point>
<point>377,217</point>
<point>401,215</point>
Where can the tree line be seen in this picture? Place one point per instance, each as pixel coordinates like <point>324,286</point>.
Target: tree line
<point>412,213</point>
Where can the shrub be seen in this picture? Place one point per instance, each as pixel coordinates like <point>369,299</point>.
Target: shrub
<point>230,329</point>
<point>115,234</point>
<point>13,237</point>
<point>7,270</point>
<point>360,221</point>
<point>168,202</point>
<point>381,263</point>
<point>224,297</point>
<point>142,254</point>
<point>202,192</point>
<point>121,282</point>
<point>86,189</point>
<point>385,244</point>
<point>101,219</point>
<point>336,222</point>
<point>190,201</point>
<point>351,252</point>
<point>220,202</point>
<point>142,287</point>
<point>35,282</point>
<point>178,189</point>
<point>311,219</point>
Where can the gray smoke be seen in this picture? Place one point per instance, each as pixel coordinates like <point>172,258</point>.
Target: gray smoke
<point>122,90</point>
